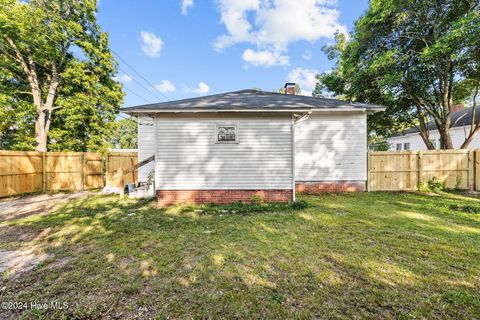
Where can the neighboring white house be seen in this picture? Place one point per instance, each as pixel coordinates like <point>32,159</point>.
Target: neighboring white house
<point>232,146</point>
<point>461,121</point>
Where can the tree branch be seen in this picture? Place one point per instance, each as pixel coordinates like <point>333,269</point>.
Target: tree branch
<point>54,82</point>
<point>29,70</point>
<point>474,126</point>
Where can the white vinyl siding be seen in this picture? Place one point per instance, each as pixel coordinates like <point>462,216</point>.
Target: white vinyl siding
<point>331,147</point>
<point>189,158</point>
<point>458,134</point>
<point>146,145</point>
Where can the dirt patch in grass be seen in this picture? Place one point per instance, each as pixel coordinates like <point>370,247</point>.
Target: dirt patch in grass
<point>14,262</point>
<point>22,207</point>
<point>15,234</point>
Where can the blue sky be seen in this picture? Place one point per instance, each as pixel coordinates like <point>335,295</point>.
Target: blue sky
<point>188,48</point>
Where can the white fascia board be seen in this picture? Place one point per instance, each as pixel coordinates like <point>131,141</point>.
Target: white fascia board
<point>253,110</point>
<point>372,111</point>
<point>212,111</point>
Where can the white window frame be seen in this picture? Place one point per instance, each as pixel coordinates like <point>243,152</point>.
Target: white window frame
<point>405,144</point>
<point>218,125</point>
<point>397,147</point>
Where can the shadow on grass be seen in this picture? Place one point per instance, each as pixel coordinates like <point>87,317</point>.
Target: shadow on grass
<point>340,256</point>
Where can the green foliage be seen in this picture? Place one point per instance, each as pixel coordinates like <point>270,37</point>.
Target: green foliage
<point>63,36</point>
<point>131,288</point>
<point>257,199</point>
<point>125,134</point>
<point>465,208</point>
<point>381,146</point>
<point>278,298</point>
<point>417,58</point>
<point>433,185</point>
<point>300,204</point>
<point>258,205</point>
<point>151,177</point>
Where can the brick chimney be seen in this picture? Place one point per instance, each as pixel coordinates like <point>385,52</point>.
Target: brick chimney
<point>290,88</point>
<point>458,107</point>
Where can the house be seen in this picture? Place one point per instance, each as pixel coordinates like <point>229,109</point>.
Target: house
<point>231,146</point>
<point>460,128</point>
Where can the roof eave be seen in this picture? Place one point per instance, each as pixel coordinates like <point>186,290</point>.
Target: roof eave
<point>375,110</point>
<point>211,110</point>
<point>368,110</point>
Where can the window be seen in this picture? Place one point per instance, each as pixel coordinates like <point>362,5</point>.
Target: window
<point>399,146</point>
<point>226,133</point>
<point>406,146</point>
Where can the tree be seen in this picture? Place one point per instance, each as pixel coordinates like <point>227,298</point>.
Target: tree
<point>418,58</point>
<point>379,146</point>
<point>57,70</point>
<point>125,134</point>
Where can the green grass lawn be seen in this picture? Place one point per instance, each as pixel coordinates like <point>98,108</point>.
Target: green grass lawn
<point>366,255</point>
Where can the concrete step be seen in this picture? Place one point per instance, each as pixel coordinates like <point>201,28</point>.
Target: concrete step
<point>145,191</point>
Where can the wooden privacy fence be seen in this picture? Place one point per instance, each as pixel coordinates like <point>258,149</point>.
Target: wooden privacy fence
<point>117,161</point>
<point>29,171</point>
<point>26,172</point>
<point>406,170</point>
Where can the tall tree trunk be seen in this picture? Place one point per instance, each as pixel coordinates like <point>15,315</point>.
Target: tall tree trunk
<point>44,109</point>
<point>446,90</point>
<point>423,129</point>
<point>41,131</point>
<point>44,118</point>
<point>445,138</point>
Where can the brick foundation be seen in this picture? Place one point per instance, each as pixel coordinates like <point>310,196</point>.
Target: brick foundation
<point>316,187</point>
<point>168,197</point>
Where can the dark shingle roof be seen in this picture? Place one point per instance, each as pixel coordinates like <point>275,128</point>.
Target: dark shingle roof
<point>250,100</point>
<point>459,119</point>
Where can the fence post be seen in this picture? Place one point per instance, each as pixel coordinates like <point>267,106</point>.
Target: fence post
<point>122,183</point>
<point>44,174</point>
<point>420,168</point>
<point>409,167</point>
<point>476,168</point>
<point>82,159</point>
<point>106,168</point>
<point>368,169</point>
<point>471,173</point>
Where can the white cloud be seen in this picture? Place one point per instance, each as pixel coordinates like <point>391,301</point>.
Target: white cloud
<point>265,58</point>
<point>307,55</point>
<point>273,24</point>
<point>186,4</point>
<point>124,78</point>
<point>165,86</point>
<point>151,44</point>
<point>202,88</point>
<point>305,78</point>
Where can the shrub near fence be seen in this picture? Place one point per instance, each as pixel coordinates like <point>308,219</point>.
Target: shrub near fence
<point>28,171</point>
<point>406,170</point>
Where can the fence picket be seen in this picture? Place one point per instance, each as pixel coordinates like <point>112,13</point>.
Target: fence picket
<point>28,172</point>
<point>393,170</point>
<point>121,160</point>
